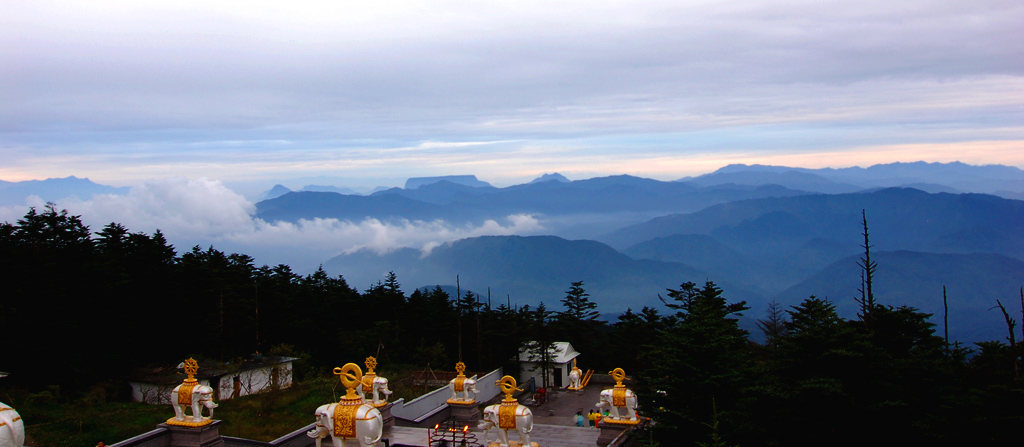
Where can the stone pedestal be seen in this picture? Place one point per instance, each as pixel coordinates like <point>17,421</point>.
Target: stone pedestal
<point>609,432</point>
<point>205,436</point>
<point>465,413</point>
<point>385,413</point>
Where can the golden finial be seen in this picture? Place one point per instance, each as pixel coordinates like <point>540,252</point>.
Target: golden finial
<point>191,366</point>
<point>619,375</point>
<point>371,362</point>
<point>351,376</point>
<point>461,369</point>
<point>508,386</point>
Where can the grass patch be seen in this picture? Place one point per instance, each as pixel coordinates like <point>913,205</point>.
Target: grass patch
<point>53,421</point>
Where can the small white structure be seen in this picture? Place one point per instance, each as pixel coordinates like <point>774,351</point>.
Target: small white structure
<point>227,380</point>
<point>560,355</point>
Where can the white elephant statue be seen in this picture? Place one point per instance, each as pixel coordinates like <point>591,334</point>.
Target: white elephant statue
<point>630,407</point>
<point>198,397</point>
<point>466,386</point>
<point>523,424</point>
<point>508,415</point>
<point>379,386</point>
<point>369,426</point>
<point>356,419</point>
<point>574,379</point>
<point>12,428</point>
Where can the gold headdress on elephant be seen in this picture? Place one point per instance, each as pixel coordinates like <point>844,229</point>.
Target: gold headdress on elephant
<point>371,363</point>
<point>619,391</point>
<point>350,376</point>
<point>460,380</point>
<point>509,405</point>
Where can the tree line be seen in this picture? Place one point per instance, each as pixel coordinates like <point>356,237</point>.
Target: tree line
<point>94,306</point>
<point>89,307</point>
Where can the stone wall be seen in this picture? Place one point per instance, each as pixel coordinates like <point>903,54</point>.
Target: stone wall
<point>427,407</point>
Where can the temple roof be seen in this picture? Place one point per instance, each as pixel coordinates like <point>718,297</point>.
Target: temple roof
<point>559,352</point>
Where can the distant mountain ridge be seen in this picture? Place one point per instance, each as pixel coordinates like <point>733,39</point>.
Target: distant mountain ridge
<point>933,177</point>
<point>899,218</point>
<point>792,247</point>
<point>973,283</point>
<point>577,209</point>
<point>275,192</point>
<point>528,269</point>
<point>553,177</point>
<point>53,189</point>
<point>467,180</point>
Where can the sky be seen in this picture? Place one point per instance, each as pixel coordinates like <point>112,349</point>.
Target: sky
<point>357,94</point>
<point>200,106</point>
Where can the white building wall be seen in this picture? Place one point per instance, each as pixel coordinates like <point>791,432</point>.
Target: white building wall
<point>255,381</point>
<point>155,394</point>
<point>534,370</point>
<point>251,381</point>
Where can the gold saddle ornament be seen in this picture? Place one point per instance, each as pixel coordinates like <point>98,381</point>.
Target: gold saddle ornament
<point>346,412</point>
<point>509,408</point>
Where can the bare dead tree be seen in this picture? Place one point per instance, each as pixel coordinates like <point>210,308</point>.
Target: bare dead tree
<point>945,317</point>
<point>1010,322</point>
<point>867,269</point>
<point>1014,349</point>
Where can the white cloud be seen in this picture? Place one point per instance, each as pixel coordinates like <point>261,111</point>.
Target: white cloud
<point>122,91</point>
<point>204,212</point>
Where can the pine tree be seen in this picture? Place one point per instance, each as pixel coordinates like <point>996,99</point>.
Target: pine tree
<point>701,355</point>
<point>578,307</point>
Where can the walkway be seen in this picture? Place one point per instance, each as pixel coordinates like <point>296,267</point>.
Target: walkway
<point>553,424</point>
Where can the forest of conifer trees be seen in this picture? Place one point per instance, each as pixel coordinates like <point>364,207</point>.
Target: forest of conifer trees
<point>112,302</point>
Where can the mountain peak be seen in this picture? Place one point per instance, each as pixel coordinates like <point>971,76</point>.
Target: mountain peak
<point>553,177</point>
<point>465,180</point>
<point>275,192</point>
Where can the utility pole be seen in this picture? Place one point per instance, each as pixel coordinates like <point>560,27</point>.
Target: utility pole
<point>458,307</point>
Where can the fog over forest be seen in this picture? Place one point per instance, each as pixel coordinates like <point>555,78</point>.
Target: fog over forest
<point>204,212</point>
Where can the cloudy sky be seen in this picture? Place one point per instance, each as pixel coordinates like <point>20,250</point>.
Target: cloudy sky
<point>254,93</point>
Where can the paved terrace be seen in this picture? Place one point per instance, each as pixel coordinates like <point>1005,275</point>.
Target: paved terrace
<point>553,427</point>
<point>553,422</point>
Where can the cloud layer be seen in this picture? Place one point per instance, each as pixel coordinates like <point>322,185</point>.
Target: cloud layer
<point>204,212</point>
<point>251,90</point>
